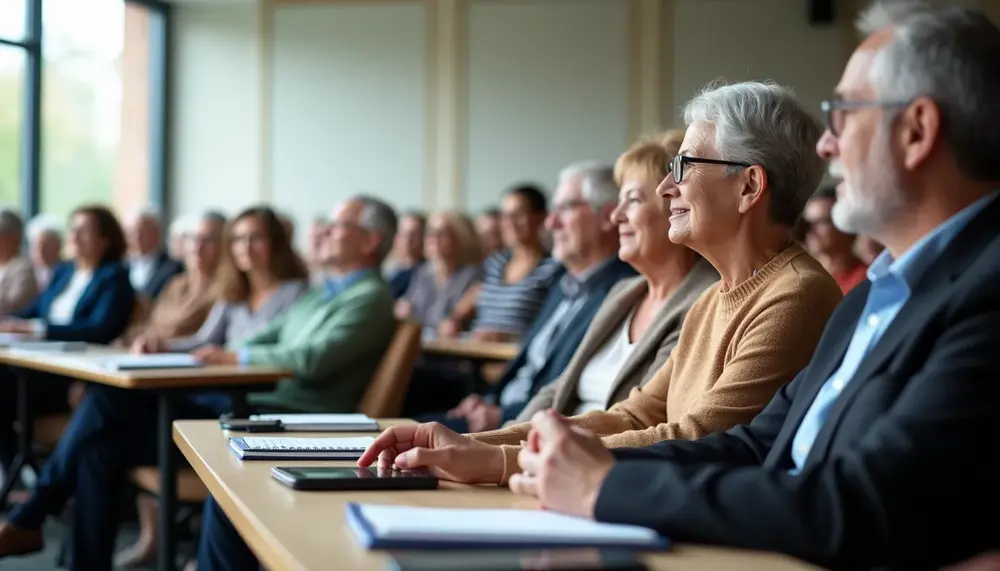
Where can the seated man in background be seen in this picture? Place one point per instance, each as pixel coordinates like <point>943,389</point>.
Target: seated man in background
<point>17,277</point>
<point>832,247</point>
<point>407,252</point>
<point>45,247</point>
<point>586,244</point>
<point>149,265</point>
<point>332,340</point>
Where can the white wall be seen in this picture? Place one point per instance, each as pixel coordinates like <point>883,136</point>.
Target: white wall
<point>548,85</point>
<point>348,104</point>
<point>215,156</point>
<point>302,104</point>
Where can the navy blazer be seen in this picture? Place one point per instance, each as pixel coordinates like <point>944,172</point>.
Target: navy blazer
<point>901,473</point>
<point>101,315</point>
<point>164,271</point>
<point>563,348</point>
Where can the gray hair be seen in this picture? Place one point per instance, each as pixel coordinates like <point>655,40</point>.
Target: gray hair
<point>949,54</point>
<point>214,216</point>
<point>11,223</point>
<point>597,182</point>
<point>44,224</point>
<point>379,217</point>
<point>762,124</point>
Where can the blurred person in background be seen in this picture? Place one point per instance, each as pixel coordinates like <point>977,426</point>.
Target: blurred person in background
<point>407,252</point>
<point>180,229</point>
<point>488,230</point>
<point>17,276</point>
<point>831,246</point>
<point>452,267</point>
<point>45,247</point>
<point>515,280</point>
<point>150,267</point>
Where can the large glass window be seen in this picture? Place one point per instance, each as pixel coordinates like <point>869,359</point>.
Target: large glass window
<point>12,20</point>
<point>12,62</point>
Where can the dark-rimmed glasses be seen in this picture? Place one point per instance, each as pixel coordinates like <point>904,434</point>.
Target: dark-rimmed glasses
<point>677,165</point>
<point>834,109</point>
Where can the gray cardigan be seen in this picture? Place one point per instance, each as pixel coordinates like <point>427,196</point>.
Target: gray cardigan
<point>229,322</point>
<point>650,352</point>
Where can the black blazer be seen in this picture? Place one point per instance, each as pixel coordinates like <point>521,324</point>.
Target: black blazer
<point>166,268</point>
<point>902,473</point>
<point>569,339</point>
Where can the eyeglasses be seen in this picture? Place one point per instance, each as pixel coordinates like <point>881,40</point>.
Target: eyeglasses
<point>677,165</point>
<point>836,110</point>
<point>560,208</point>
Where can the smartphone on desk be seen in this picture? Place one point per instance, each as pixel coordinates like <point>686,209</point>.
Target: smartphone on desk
<point>342,479</point>
<point>247,425</point>
<point>569,559</point>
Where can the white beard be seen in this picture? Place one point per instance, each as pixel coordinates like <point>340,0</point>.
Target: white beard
<point>866,207</point>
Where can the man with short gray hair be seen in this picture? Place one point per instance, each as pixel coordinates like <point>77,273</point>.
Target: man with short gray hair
<point>45,245</point>
<point>876,454</point>
<point>17,277</point>
<point>585,242</point>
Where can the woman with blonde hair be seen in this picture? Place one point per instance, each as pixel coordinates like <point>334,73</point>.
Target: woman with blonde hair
<point>452,268</point>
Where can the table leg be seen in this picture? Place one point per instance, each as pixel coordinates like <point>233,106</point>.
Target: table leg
<point>25,456</point>
<point>167,555</point>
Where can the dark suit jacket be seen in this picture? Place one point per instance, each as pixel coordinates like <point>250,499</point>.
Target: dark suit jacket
<point>101,315</point>
<point>901,473</point>
<point>164,271</point>
<point>570,337</point>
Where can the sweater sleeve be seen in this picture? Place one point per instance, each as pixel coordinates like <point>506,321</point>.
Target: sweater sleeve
<point>776,344</point>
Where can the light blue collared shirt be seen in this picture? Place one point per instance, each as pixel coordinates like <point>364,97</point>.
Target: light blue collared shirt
<point>333,287</point>
<point>892,285</point>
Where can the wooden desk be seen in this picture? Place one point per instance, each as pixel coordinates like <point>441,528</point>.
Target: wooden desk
<point>168,384</point>
<point>307,531</point>
<point>473,350</point>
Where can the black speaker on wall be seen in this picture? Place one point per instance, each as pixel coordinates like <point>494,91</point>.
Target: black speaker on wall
<point>821,12</point>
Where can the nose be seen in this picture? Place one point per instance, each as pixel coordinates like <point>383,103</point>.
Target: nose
<point>618,214</point>
<point>667,188</point>
<point>826,147</point>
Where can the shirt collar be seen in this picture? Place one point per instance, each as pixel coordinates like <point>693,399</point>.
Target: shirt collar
<point>336,284</point>
<point>575,286</point>
<point>915,262</point>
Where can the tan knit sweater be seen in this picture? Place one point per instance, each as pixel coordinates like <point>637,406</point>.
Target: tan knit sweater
<point>736,349</point>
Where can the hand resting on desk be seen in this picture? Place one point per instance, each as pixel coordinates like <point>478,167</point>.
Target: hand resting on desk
<point>447,454</point>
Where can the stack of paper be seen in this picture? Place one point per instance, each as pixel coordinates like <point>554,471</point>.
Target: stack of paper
<point>151,361</point>
<point>9,339</point>
<point>321,422</point>
<point>404,527</point>
<point>268,448</point>
<point>48,347</point>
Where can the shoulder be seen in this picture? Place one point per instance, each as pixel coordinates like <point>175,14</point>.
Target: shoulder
<point>20,264</point>
<point>496,262</point>
<point>624,288</point>
<point>175,284</point>
<point>115,271</point>
<point>294,288</point>
<point>806,278</point>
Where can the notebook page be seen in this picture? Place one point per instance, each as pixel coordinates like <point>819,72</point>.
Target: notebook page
<point>151,361</point>
<point>315,418</point>
<point>415,523</point>
<point>297,444</point>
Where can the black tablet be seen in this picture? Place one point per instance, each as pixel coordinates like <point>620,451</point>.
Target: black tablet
<point>581,559</point>
<point>330,478</point>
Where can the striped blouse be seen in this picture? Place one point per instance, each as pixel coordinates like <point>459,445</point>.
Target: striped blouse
<point>511,307</point>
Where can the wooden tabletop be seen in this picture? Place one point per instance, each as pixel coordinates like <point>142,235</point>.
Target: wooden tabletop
<point>83,366</point>
<point>469,349</point>
<point>306,531</point>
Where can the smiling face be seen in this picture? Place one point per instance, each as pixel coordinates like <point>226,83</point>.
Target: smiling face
<point>705,207</point>
<point>643,221</point>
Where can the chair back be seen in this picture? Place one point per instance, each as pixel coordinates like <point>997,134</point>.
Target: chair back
<point>387,389</point>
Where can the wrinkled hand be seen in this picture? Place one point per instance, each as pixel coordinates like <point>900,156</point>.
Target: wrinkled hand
<point>449,328</point>
<point>563,466</point>
<point>14,325</point>
<point>467,405</point>
<point>215,355</point>
<point>484,417</point>
<point>445,453</point>
<point>148,344</point>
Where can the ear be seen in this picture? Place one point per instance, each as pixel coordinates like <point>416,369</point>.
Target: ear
<point>372,243</point>
<point>919,129</point>
<point>754,187</point>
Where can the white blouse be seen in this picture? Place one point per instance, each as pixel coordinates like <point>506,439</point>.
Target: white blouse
<point>64,305</point>
<point>599,375</point>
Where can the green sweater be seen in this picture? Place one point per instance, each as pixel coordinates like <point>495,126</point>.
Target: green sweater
<point>332,345</point>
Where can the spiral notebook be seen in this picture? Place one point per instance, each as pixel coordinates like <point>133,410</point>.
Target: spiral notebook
<point>269,448</point>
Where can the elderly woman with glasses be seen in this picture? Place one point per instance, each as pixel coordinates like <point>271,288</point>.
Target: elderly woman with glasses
<point>737,186</point>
